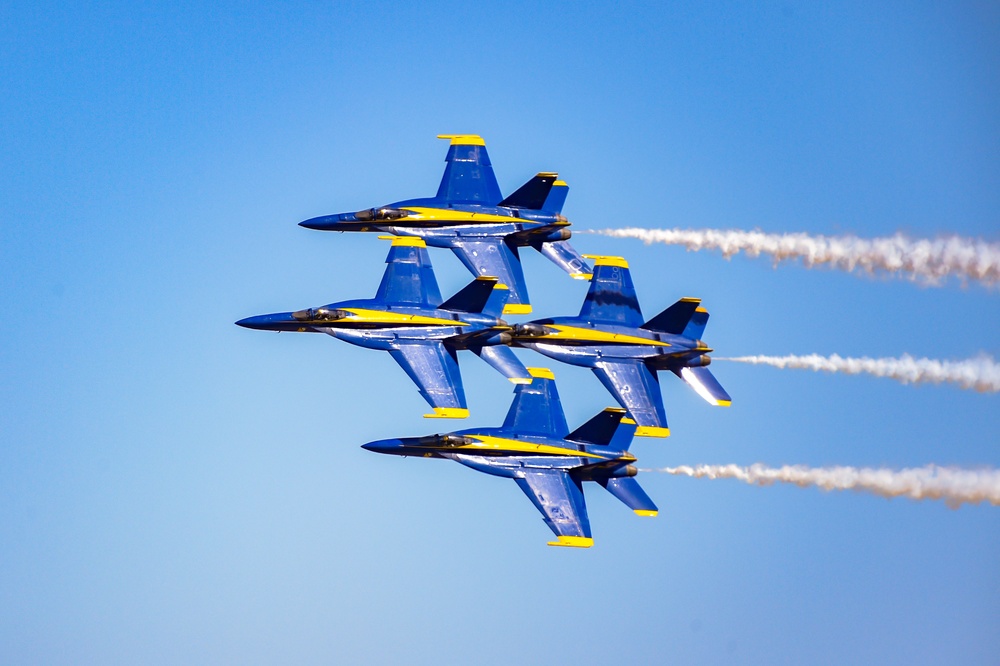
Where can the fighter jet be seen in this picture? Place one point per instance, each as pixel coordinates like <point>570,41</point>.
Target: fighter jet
<point>470,215</point>
<point>535,448</point>
<point>408,319</point>
<point>609,336</point>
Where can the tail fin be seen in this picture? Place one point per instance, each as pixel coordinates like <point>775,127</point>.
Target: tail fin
<point>609,428</point>
<point>686,317</point>
<point>557,197</point>
<point>533,194</point>
<point>705,384</point>
<point>469,176</point>
<point>628,490</point>
<point>484,294</point>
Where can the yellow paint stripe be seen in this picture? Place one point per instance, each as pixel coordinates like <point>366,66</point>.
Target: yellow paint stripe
<point>547,174</point>
<point>463,139</point>
<point>504,445</point>
<point>581,276</point>
<point>645,512</point>
<point>603,260</point>
<point>448,413</point>
<point>572,541</point>
<point>517,309</point>
<point>652,431</point>
<point>560,183</point>
<point>519,380</point>
<point>626,420</point>
<point>405,241</point>
<point>595,335</point>
<point>386,317</point>
<point>544,373</point>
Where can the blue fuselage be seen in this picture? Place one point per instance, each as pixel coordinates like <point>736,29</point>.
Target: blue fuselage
<point>584,343</point>
<point>503,452</point>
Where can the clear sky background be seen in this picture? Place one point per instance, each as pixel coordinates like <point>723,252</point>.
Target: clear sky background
<point>175,489</point>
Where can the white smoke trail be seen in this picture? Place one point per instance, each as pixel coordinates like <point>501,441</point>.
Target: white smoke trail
<point>954,486</point>
<point>981,373</point>
<point>929,261</point>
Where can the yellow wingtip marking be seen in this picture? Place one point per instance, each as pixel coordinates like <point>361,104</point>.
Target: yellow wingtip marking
<point>690,299</point>
<point>543,373</point>
<point>560,183</point>
<point>519,380</point>
<point>572,541</point>
<point>404,241</point>
<point>581,276</point>
<point>517,308</point>
<point>463,139</point>
<point>645,512</point>
<point>652,431</point>
<point>700,309</point>
<point>627,421</point>
<point>725,403</point>
<point>448,413</point>
<point>547,174</point>
<point>604,260</point>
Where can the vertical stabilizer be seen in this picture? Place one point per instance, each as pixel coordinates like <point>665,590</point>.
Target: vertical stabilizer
<point>468,177</point>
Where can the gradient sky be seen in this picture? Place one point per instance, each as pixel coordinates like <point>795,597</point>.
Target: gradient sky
<point>175,489</point>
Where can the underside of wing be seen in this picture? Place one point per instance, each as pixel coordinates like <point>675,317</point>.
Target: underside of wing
<point>496,258</point>
<point>434,369</point>
<point>409,278</point>
<point>559,497</point>
<point>638,390</point>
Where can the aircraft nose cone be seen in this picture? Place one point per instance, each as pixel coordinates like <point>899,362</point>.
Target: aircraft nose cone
<point>268,322</point>
<point>322,223</point>
<point>383,446</point>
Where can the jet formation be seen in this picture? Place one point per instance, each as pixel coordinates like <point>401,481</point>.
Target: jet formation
<point>424,333</point>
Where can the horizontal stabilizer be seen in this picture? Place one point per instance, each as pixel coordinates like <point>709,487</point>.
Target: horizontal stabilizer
<point>628,490</point>
<point>557,197</point>
<point>565,256</point>
<point>475,297</point>
<point>504,361</point>
<point>533,194</point>
<point>685,317</point>
<point>705,384</point>
<point>599,430</point>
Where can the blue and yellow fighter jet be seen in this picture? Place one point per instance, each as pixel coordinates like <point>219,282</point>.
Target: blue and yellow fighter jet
<point>535,448</point>
<point>470,216</point>
<point>609,336</point>
<point>408,319</point>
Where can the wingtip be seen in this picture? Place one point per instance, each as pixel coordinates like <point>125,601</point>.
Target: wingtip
<point>572,542</point>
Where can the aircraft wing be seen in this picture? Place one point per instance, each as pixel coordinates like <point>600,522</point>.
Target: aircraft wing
<point>434,369</point>
<point>409,277</point>
<point>560,499</point>
<point>492,256</point>
<point>611,298</point>
<point>536,407</point>
<point>638,390</point>
<point>468,176</point>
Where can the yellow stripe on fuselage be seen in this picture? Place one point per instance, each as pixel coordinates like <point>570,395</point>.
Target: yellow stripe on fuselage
<point>578,334</point>
<point>488,444</point>
<point>364,316</point>
<point>420,214</point>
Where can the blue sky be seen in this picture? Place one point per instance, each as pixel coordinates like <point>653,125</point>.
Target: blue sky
<point>174,489</point>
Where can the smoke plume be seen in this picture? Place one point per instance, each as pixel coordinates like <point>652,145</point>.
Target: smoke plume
<point>954,486</point>
<point>981,373</point>
<point>924,260</point>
